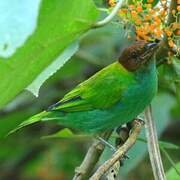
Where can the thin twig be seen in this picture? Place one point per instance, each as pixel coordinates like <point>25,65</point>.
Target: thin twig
<point>153,146</point>
<point>107,19</point>
<point>91,158</point>
<point>120,152</point>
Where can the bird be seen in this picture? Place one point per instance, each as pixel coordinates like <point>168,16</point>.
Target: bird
<point>111,97</point>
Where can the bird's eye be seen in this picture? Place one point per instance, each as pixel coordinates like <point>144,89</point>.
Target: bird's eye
<point>134,55</point>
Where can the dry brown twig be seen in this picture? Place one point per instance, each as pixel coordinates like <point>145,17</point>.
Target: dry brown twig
<point>91,158</point>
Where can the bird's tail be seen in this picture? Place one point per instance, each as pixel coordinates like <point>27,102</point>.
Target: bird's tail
<point>43,116</point>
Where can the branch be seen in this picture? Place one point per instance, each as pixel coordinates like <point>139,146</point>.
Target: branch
<point>164,47</point>
<point>137,125</point>
<point>109,17</point>
<point>153,146</point>
<point>91,158</point>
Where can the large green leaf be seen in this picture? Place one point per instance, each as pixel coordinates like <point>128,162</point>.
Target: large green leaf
<point>18,22</point>
<point>59,24</point>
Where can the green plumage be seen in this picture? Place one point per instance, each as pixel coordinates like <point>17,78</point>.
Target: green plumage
<point>110,98</point>
<point>101,91</point>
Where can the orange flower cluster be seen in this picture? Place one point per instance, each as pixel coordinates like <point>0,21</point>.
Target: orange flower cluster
<point>149,21</point>
<point>112,3</point>
<point>178,5</point>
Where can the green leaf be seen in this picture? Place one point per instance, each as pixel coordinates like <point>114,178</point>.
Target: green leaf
<point>52,68</point>
<point>65,133</point>
<point>59,24</point>
<point>171,72</point>
<point>162,144</point>
<point>171,174</point>
<point>61,134</point>
<point>168,145</point>
<point>154,3</point>
<point>176,67</point>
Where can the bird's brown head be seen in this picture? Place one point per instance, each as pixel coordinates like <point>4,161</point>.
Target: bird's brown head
<point>136,55</point>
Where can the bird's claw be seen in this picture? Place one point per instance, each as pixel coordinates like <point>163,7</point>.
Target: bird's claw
<point>123,159</point>
<point>139,120</point>
<point>106,143</point>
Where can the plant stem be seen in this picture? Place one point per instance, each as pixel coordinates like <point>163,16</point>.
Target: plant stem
<point>164,47</point>
<point>107,19</point>
<point>153,146</point>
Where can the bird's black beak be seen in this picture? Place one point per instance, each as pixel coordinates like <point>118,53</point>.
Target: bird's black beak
<point>151,45</point>
<point>149,49</point>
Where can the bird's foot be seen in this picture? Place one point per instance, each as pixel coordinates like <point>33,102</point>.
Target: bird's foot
<point>139,120</point>
<point>113,149</point>
<point>123,159</point>
<point>106,143</point>
<point>123,134</point>
<point>135,120</point>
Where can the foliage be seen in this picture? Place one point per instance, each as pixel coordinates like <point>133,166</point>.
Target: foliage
<point>45,44</point>
<point>172,174</point>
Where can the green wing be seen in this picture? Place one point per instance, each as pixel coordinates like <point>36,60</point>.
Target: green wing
<point>100,91</point>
